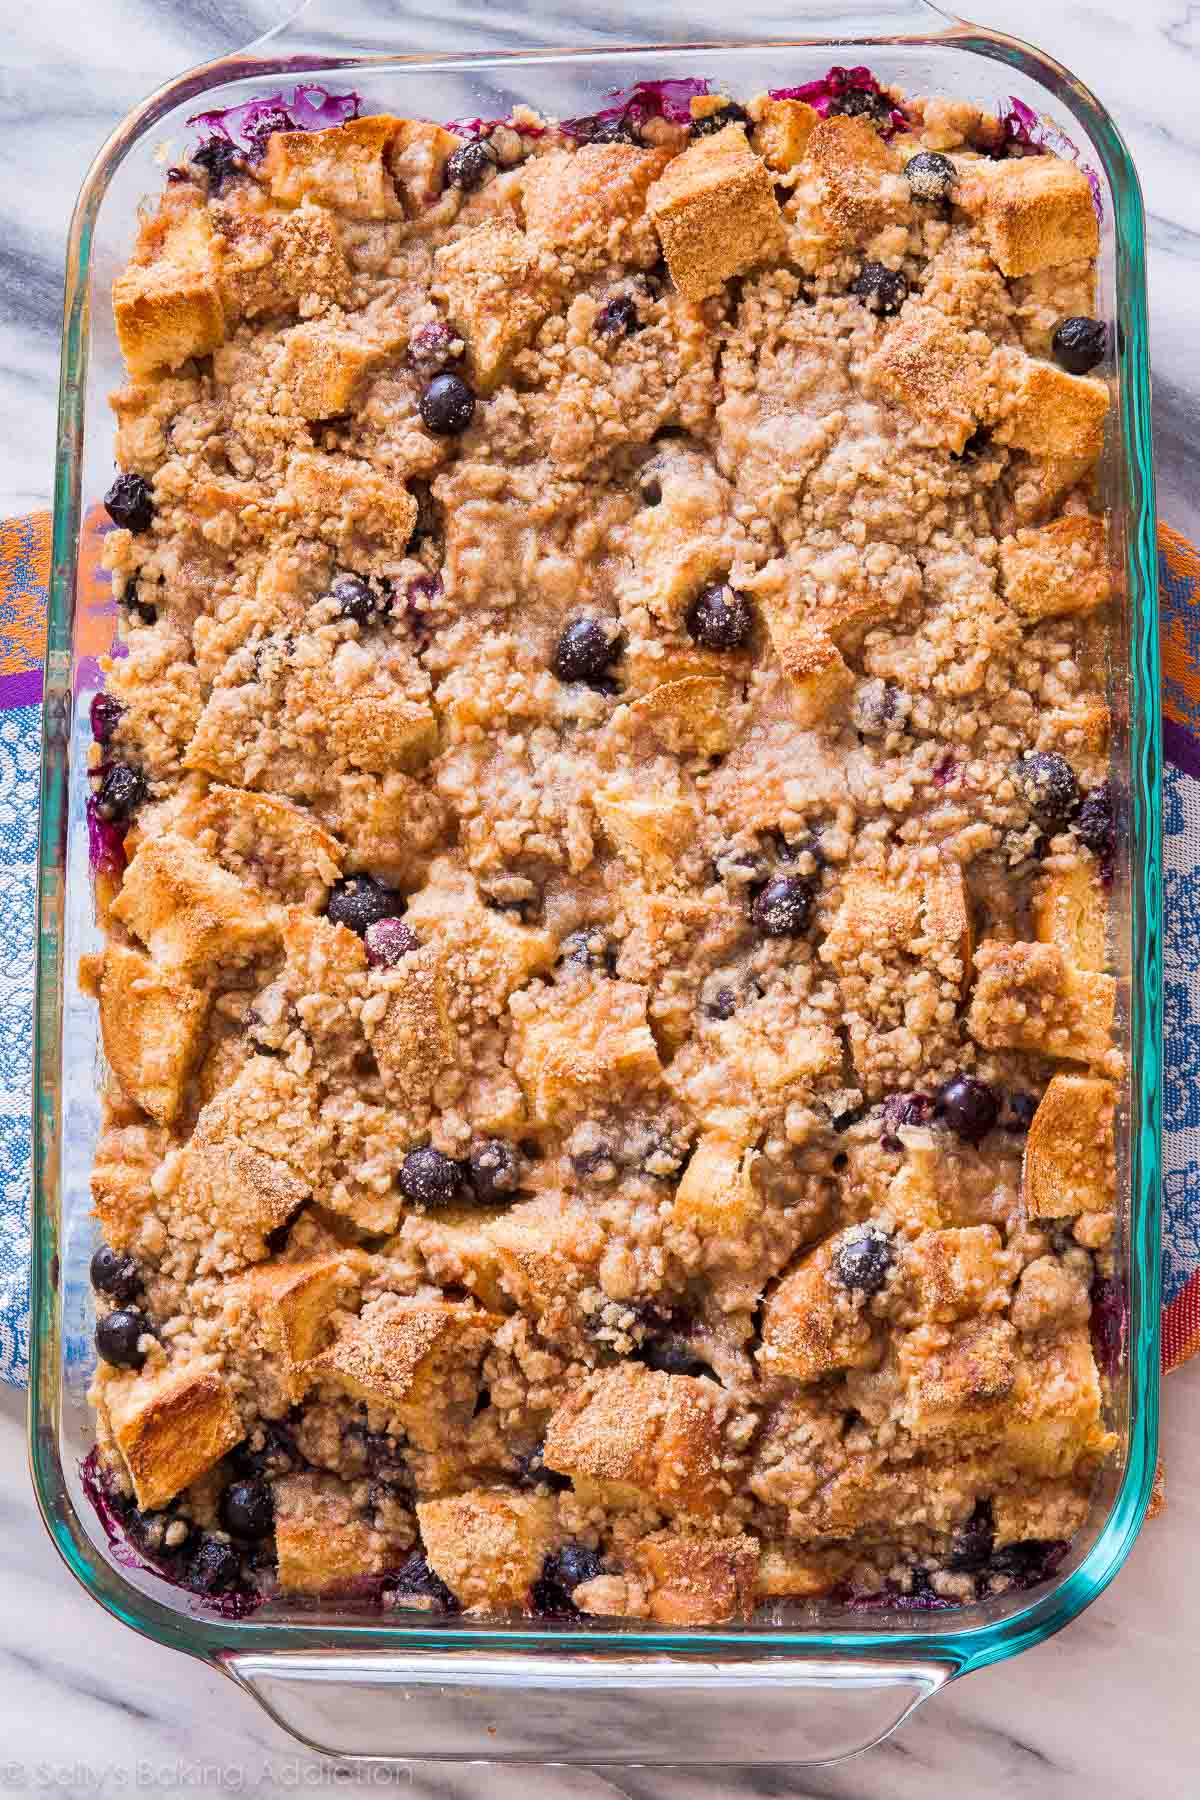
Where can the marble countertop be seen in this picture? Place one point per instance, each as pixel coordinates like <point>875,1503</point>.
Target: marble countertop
<point>88,1708</point>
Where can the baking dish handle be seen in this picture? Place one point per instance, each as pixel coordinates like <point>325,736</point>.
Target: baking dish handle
<point>507,1707</point>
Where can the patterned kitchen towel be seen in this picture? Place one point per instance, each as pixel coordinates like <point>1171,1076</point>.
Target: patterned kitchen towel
<point>24,574</point>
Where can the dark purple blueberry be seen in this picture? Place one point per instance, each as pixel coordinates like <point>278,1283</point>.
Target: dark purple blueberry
<point>117,1335</point>
<point>881,290</point>
<point>220,159</point>
<point>1093,824</point>
<point>429,521</point>
<point>878,705</point>
<point>248,1509</point>
<point>722,1003</point>
<point>588,1162</point>
<point>1021,1108</point>
<point>863,1259</point>
<point>447,406</point>
<point>1046,782</point>
<point>972,1546</point>
<point>469,166</point>
<point>215,1567</point>
<point>892,1598</point>
<point>969,1107</point>
<point>431,348</point>
<point>533,1471</point>
<point>672,1355</point>
<point>355,600</point>
<point>930,176</point>
<point>618,317</point>
<point>862,103</point>
<point>711,123</point>
<point>105,715</point>
<point>613,131</point>
<point>430,1179</point>
<point>1026,1564</point>
<point>130,503</point>
<point>904,1109</point>
<point>585,651</point>
<point>562,1572</point>
<point>388,941</point>
<point>148,1530</point>
<point>360,900</point>
<point>417,1578</point>
<point>784,907</point>
<point>589,949</point>
<point>115,1275</point>
<point>277,1454</point>
<point>121,791</point>
<point>495,1171</point>
<point>1079,344</point>
<point>720,618</point>
<point>1108,1325</point>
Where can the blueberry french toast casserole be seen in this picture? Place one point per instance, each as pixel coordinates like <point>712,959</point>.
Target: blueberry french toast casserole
<point>602,842</point>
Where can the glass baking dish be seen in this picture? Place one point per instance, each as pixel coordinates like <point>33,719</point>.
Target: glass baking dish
<point>811,1683</point>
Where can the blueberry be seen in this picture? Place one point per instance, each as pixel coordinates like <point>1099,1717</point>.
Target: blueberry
<point>117,1336</point>
<point>720,618</point>
<point>277,1454</point>
<point>495,1171</point>
<point>861,103</point>
<point>388,941</point>
<point>148,1530</point>
<point>881,290</point>
<point>589,949</point>
<point>614,131</point>
<point>533,1470</point>
<point>431,347</point>
<point>1046,782</point>
<point>447,406</point>
<point>355,600</point>
<point>360,900</point>
<point>972,1546</point>
<point>711,123</point>
<point>784,907</point>
<point>1093,823</point>
<point>562,1572</point>
<point>969,1107</point>
<point>1079,344</point>
<point>248,1509</point>
<point>672,1355</point>
<point>416,1577</point>
<point>215,1567</point>
<point>721,1003</point>
<point>1021,1108</point>
<point>584,652</point>
<point>428,1177</point>
<point>618,317</point>
<point>220,159</point>
<point>1029,1562</point>
<point>129,503</point>
<point>904,1109</point>
<point>429,522</point>
<point>878,706</point>
<point>104,716</point>
<point>114,1274</point>
<point>930,176</point>
<point>469,166</point>
<point>863,1258</point>
<point>121,791</point>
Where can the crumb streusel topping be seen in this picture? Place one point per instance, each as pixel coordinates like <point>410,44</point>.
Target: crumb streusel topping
<point>604,847</point>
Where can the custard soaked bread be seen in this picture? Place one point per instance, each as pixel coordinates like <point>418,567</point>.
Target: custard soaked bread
<point>610,1079</point>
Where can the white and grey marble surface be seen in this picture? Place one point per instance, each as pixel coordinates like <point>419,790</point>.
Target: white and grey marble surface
<point>1106,1709</point>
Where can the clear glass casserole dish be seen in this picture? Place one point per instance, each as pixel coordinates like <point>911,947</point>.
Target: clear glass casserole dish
<point>812,1682</point>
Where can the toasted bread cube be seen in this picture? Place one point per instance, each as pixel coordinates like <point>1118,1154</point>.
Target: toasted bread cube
<point>917,1196</point>
<point>582,1041</point>
<point>456,1246</point>
<point>122,1195</point>
<point>781,132</point>
<point>633,1436</point>
<point>487,956</point>
<point>811,1325</point>
<point>320,1543</point>
<point>717,1197</point>
<point>274,260</point>
<point>488,1545</point>
<point>922,915</point>
<point>292,1304</point>
<point>1047,1511</point>
<point>1085,726</point>
<point>651,664</point>
<point>170,1428</point>
<point>965,1390</point>
<point>379,722</point>
<point>344,168</point>
<point>266,841</point>
<point>861,188</point>
<point>1035,212</point>
<point>408,1026</point>
<point>239,1191</point>
<point>1026,997</point>
<point>650,830</point>
<point>415,1361</point>
<point>188,911</point>
<point>324,368</point>
<point>588,205</point>
<point>548,1249</point>
<point>1055,571</point>
<point>166,313</point>
<point>1054,1419</point>
<point>346,500</point>
<point>677,546</point>
<point>687,717</point>
<point>1069,1158</point>
<point>152,1023</point>
<point>1070,912</point>
<point>820,681</point>
<point>936,373</point>
<point>698,1580</point>
<point>791,1571</point>
<point>496,290</point>
<point>716,212</point>
<point>958,1272</point>
<point>1048,412</point>
<point>416,157</point>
